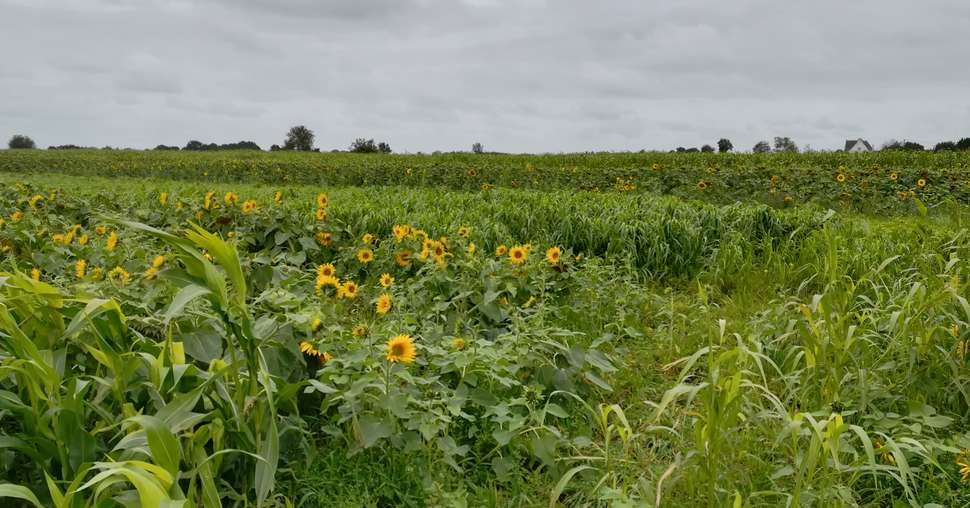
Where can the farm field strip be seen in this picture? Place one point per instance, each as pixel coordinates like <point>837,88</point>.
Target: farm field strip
<point>217,342</point>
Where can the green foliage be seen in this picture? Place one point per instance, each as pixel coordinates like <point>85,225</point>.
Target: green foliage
<point>675,353</point>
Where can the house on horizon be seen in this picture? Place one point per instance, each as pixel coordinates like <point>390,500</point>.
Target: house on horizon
<point>857,145</point>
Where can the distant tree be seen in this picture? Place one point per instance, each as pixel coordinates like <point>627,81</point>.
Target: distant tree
<point>478,148</point>
<point>299,138</point>
<point>724,145</point>
<point>707,148</point>
<point>275,148</point>
<point>681,149</point>
<point>963,144</point>
<point>19,141</point>
<point>383,147</point>
<point>195,145</point>
<point>904,145</point>
<point>361,145</point>
<point>785,144</point>
<point>65,147</point>
<point>166,147</point>
<point>945,146</point>
<point>692,150</point>
<point>761,147</point>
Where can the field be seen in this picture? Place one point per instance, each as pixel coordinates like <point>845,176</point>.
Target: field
<point>231,329</point>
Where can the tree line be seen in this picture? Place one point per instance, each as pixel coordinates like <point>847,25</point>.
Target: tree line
<point>300,138</point>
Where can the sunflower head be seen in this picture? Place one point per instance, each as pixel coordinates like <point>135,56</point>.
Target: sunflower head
<point>702,185</point>
<point>840,177</point>
<point>383,303</point>
<point>80,268</point>
<point>324,238</point>
<point>278,197</point>
<point>231,198</point>
<point>365,255</point>
<point>321,214</point>
<point>893,176</point>
<point>158,261</point>
<point>348,290</point>
<point>249,206</point>
<point>458,343</point>
<point>359,331</point>
<point>464,231</point>
<point>921,182</point>
<point>163,198</point>
<point>326,270</point>
<point>501,250</point>
<point>403,258</point>
<point>553,255</point>
<point>400,349</point>
<point>386,280</point>
<point>518,255</point>
<point>316,324</point>
<point>322,201</point>
<point>367,238</point>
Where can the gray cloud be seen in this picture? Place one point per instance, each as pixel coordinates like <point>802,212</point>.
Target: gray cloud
<point>529,75</point>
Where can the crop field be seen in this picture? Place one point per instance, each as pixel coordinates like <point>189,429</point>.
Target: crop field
<point>239,329</point>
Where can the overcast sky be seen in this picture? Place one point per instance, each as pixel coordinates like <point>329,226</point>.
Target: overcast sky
<point>529,75</point>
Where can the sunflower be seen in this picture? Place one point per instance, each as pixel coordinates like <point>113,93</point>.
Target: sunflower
<point>311,351</point>
<point>34,200</point>
<point>325,280</point>
<point>158,261</point>
<point>518,255</point>
<point>321,214</point>
<point>921,182</point>
<point>119,274</point>
<point>439,250</point>
<point>230,198</point>
<point>464,231</point>
<point>893,176</point>
<point>400,349</point>
<point>403,258</point>
<point>383,303</point>
<point>199,215</point>
<point>80,268</point>
<point>501,250</point>
<point>150,273</point>
<point>458,343</point>
<point>322,201</point>
<point>163,198</point>
<point>348,290</point>
<point>326,270</point>
<point>365,256</point>
<point>359,331</point>
<point>702,185</point>
<point>249,206</point>
<point>400,232</point>
<point>208,202</point>
<point>840,178</point>
<point>82,240</point>
<point>386,280</point>
<point>472,248</point>
<point>112,241</point>
<point>964,466</point>
<point>962,347</point>
<point>367,239</point>
<point>553,254</point>
<point>884,455</point>
<point>316,324</point>
<point>278,197</point>
<point>323,238</point>
<point>35,274</point>
<point>17,216</point>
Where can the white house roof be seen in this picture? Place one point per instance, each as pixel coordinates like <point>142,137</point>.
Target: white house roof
<point>849,143</point>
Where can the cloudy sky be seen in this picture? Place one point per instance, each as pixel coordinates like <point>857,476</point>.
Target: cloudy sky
<point>527,75</point>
